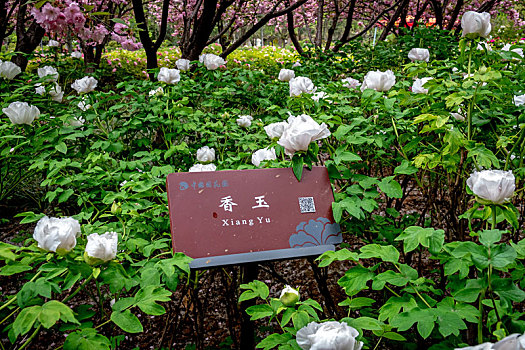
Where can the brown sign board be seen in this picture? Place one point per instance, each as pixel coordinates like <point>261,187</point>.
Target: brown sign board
<point>240,216</point>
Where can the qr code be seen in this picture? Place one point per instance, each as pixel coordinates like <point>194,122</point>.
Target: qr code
<point>307,205</point>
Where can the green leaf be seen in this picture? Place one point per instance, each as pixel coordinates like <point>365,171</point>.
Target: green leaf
<point>259,311</point>
<point>405,168</point>
<point>147,298</point>
<point>25,319</point>
<point>414,236</point>
<point>355,280</point>
<point>86,339</point>
<point>29,217</point>
<point>391,187</point>
<point>330,256</point>
<point>394,336</point>
<point>13,269</point>
<point>274,340</point>
<point>489,237</point>
<point>357,303</point>
<point>61,147</point>
<point>257,288</point>
<point>127,321</point>
<point>297,166</point>
<point>386,253</point>
<point>300,319</point>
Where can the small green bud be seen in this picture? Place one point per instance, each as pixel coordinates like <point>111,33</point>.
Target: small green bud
<point>116,208</point>
<point>289,296</point>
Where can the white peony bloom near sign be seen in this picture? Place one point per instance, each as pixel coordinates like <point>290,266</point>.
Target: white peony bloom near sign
<point>169,76</point>
<point>9,70</point>
<point>331,335</point>
<point>48,72</point>
<point>85,85</point>
<point>101,248</point>
<point>211,61</point>
<point>275,130</point>
<point>21,113</point>
<point>262,155</point>
<point>206,154</point>
<point>417,86</point>
<point>57,234</point>
<point>475,24</point>
<point>492,186</point>
<point>301,85</point>
<point>378,81</point>
<point>419,54</point>
<point>300,132</point>
<point>286,74</point>
<point>202,167</point>
<point>183,64</point>
<point>244,121</point>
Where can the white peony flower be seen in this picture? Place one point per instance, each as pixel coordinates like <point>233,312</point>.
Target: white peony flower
<point>156,92</point>
<point>301,85</point>
<point>297,64</point>
<point>101,248</point>
<point>519,100</point>
<point>275,130</point>
<point>350,83</point>
<point>331,335</point>
<point>418,54</point>
<point>202,167</point>
<point>300,132</point>
<point>40,89</point>
<point>320,95</point>
<point>484,346</point>
<point>378,81</point>
<point>206,154</point>
<point>262,155</point>
<point>244,121</point>
<point>21,113</point>
<point>83,104</point>
<point>418,88</point>
<point>211,61</point>
<point>53,43</point>
<point>492,186</point>
<point>514,341</point>
<point>183,64</point>
<point>286,74</point>
<point>517,50</point>
<point>169,76</point>
<point>57,234</point>
<point>56,93</point>
<point>9,70</point>
<point>475,24</point>
<point>77,121</point>
<point>483,45</point>
<point>85,85</point>
<point>48,72</point>
<point>76,54</point>
<point>289,296</point>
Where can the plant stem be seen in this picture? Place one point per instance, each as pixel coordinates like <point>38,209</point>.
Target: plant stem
<point>11,314</point>
<point>480,321</point>
<point>469,112</point>
<point>31,337</point>
<point>494,216</point>
<point>78,289</point>
<point>15,297</point>
<point>379,341</point>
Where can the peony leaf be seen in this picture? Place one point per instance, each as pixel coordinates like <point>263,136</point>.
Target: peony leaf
<point>127,321</point>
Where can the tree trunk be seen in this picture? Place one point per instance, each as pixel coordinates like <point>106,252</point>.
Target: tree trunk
<point>291,31</point>
<point>455,15</point>
<point>348,27</point>
<point>393,19</point>
<point>150,47</point>
<point>319,29</point>
<point>27,40</point>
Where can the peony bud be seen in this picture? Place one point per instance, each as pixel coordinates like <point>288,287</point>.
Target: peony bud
<point>519,100</point>
<point>289,296</point>
<point>492,186</point>
<point>57,234</point>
